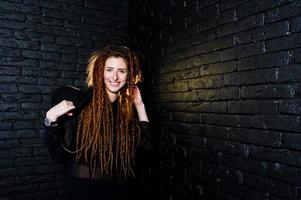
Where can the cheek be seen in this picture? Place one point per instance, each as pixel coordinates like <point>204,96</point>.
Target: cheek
<point>124,77</point>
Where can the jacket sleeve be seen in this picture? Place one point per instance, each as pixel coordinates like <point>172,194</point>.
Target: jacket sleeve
<point>53,138</point>
<point>146,141</point>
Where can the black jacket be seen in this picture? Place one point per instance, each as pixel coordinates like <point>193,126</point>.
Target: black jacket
<point>63,134</point>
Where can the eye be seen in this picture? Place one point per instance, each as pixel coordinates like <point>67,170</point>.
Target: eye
<point>123,71</point>
<point>109,69</point>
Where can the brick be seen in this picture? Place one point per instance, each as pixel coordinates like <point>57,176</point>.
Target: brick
<point>40,151</point>
<point>227,147</point>
<point>34,36</point>
<point>54,81</point>
<point>57,48</point>
<point>252,77</point>
<point>8,88</point>
<point>225,5</point>
<point>250,8</point>
<point>241,25</point>
<point>175,97</point>
<point>5,125</point>
<point>7,107</point>
<point>179,86</point>
<point>249,165</point>
<point>72,41</point>
<point>273,155</point>
<point>267,91</point>
<point>70,58</point>
<point>5,33</point>
<point>177,128</point>
<point>186,117</point>
<point>290,123</point>
<point>283,12</point>
<point>32,142</point>
<point>29,161</point>
<point>41,169</point>
<point>12,16</point>
<point>242,51</point>
<point>285,173</point>
<point>220,43</point>
<point>296,55</point>
<point>9,181</point>
<point>289,73</point>
<point>253,106</point>
<point>218,68</point>
<point>220,119</point>
<point>295,24</point>
<point>19,8</point>
<point>202,15</point>
<point>9,71</point>
<point>19,44</point>
<point>268,31</point>
<point>60,31</point>
<point>51,13</point>
<point>21,97</point>
<point>41,55</point>
<point>17,152</point>
<point>32,106</point>
<point>288,42</point>
<point>275,187</point>
<point>263,61</point>
<point>6,163</point>
<point>290,106</point>
<point>262,121</point>
<point>33,89</point>
<point>5,144</point>
<point>19,62</point>
<point>268,138</point>
<point>7,24</point>
<point>15,134</point>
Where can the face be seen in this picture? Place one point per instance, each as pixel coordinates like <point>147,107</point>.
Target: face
<point>115,75</point>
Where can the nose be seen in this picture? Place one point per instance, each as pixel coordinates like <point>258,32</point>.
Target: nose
<point>115,76</point>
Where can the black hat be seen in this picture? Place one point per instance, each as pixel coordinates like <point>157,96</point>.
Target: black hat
<point>77,96</point>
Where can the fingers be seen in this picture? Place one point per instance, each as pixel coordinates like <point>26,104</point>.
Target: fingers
<point>66,105</point>
<point>62,108</point>
<point>69,114</point>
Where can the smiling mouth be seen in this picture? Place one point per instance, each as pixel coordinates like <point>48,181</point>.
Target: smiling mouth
<point>114,84</point>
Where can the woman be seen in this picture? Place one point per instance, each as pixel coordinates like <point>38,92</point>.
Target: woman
<point>96,132</point>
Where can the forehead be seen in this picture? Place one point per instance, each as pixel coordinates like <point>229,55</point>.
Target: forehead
<point>116,62</point>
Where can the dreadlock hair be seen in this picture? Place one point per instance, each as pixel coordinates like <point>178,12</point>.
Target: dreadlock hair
<point>97,130</point>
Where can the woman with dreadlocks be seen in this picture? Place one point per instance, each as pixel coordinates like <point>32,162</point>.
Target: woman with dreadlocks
<point>96,132</point>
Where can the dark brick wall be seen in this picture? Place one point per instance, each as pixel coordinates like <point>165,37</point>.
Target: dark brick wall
<point>44,45</point>
<point>226,97</point>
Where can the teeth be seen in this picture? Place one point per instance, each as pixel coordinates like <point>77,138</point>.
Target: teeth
<point>114,84</point>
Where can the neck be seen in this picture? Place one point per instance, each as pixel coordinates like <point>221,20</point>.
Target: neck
<point>112,96</point>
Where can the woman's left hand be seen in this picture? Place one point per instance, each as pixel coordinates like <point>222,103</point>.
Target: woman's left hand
<point>137,101</point>
<point>137,98</point>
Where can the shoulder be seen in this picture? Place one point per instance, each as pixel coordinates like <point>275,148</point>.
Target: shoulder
<point>79,97</point>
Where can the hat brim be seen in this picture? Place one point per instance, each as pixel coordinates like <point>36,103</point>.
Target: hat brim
<point>79,97</point>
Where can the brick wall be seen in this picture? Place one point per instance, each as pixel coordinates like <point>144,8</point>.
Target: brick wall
<point>44,45</point>
<point>226,97</point>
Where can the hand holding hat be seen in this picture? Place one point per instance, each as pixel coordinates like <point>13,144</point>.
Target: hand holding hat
<point>60,109</point>
<point>64,100</point>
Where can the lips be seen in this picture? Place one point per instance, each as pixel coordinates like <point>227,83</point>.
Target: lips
<point>114,84</point>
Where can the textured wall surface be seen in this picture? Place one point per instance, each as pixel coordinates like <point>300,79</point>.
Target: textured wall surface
<point>44,45</point>
<point>226,96</point>
<point>225,91</point>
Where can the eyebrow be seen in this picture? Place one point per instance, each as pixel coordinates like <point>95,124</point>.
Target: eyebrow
<point>118,68</point>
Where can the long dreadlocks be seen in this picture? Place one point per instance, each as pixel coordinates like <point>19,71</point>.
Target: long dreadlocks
<point>96,132</point>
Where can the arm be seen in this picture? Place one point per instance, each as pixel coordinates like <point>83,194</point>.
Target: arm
<point>139,105</point>
<point>54,134</point>
<point>146,138</point>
